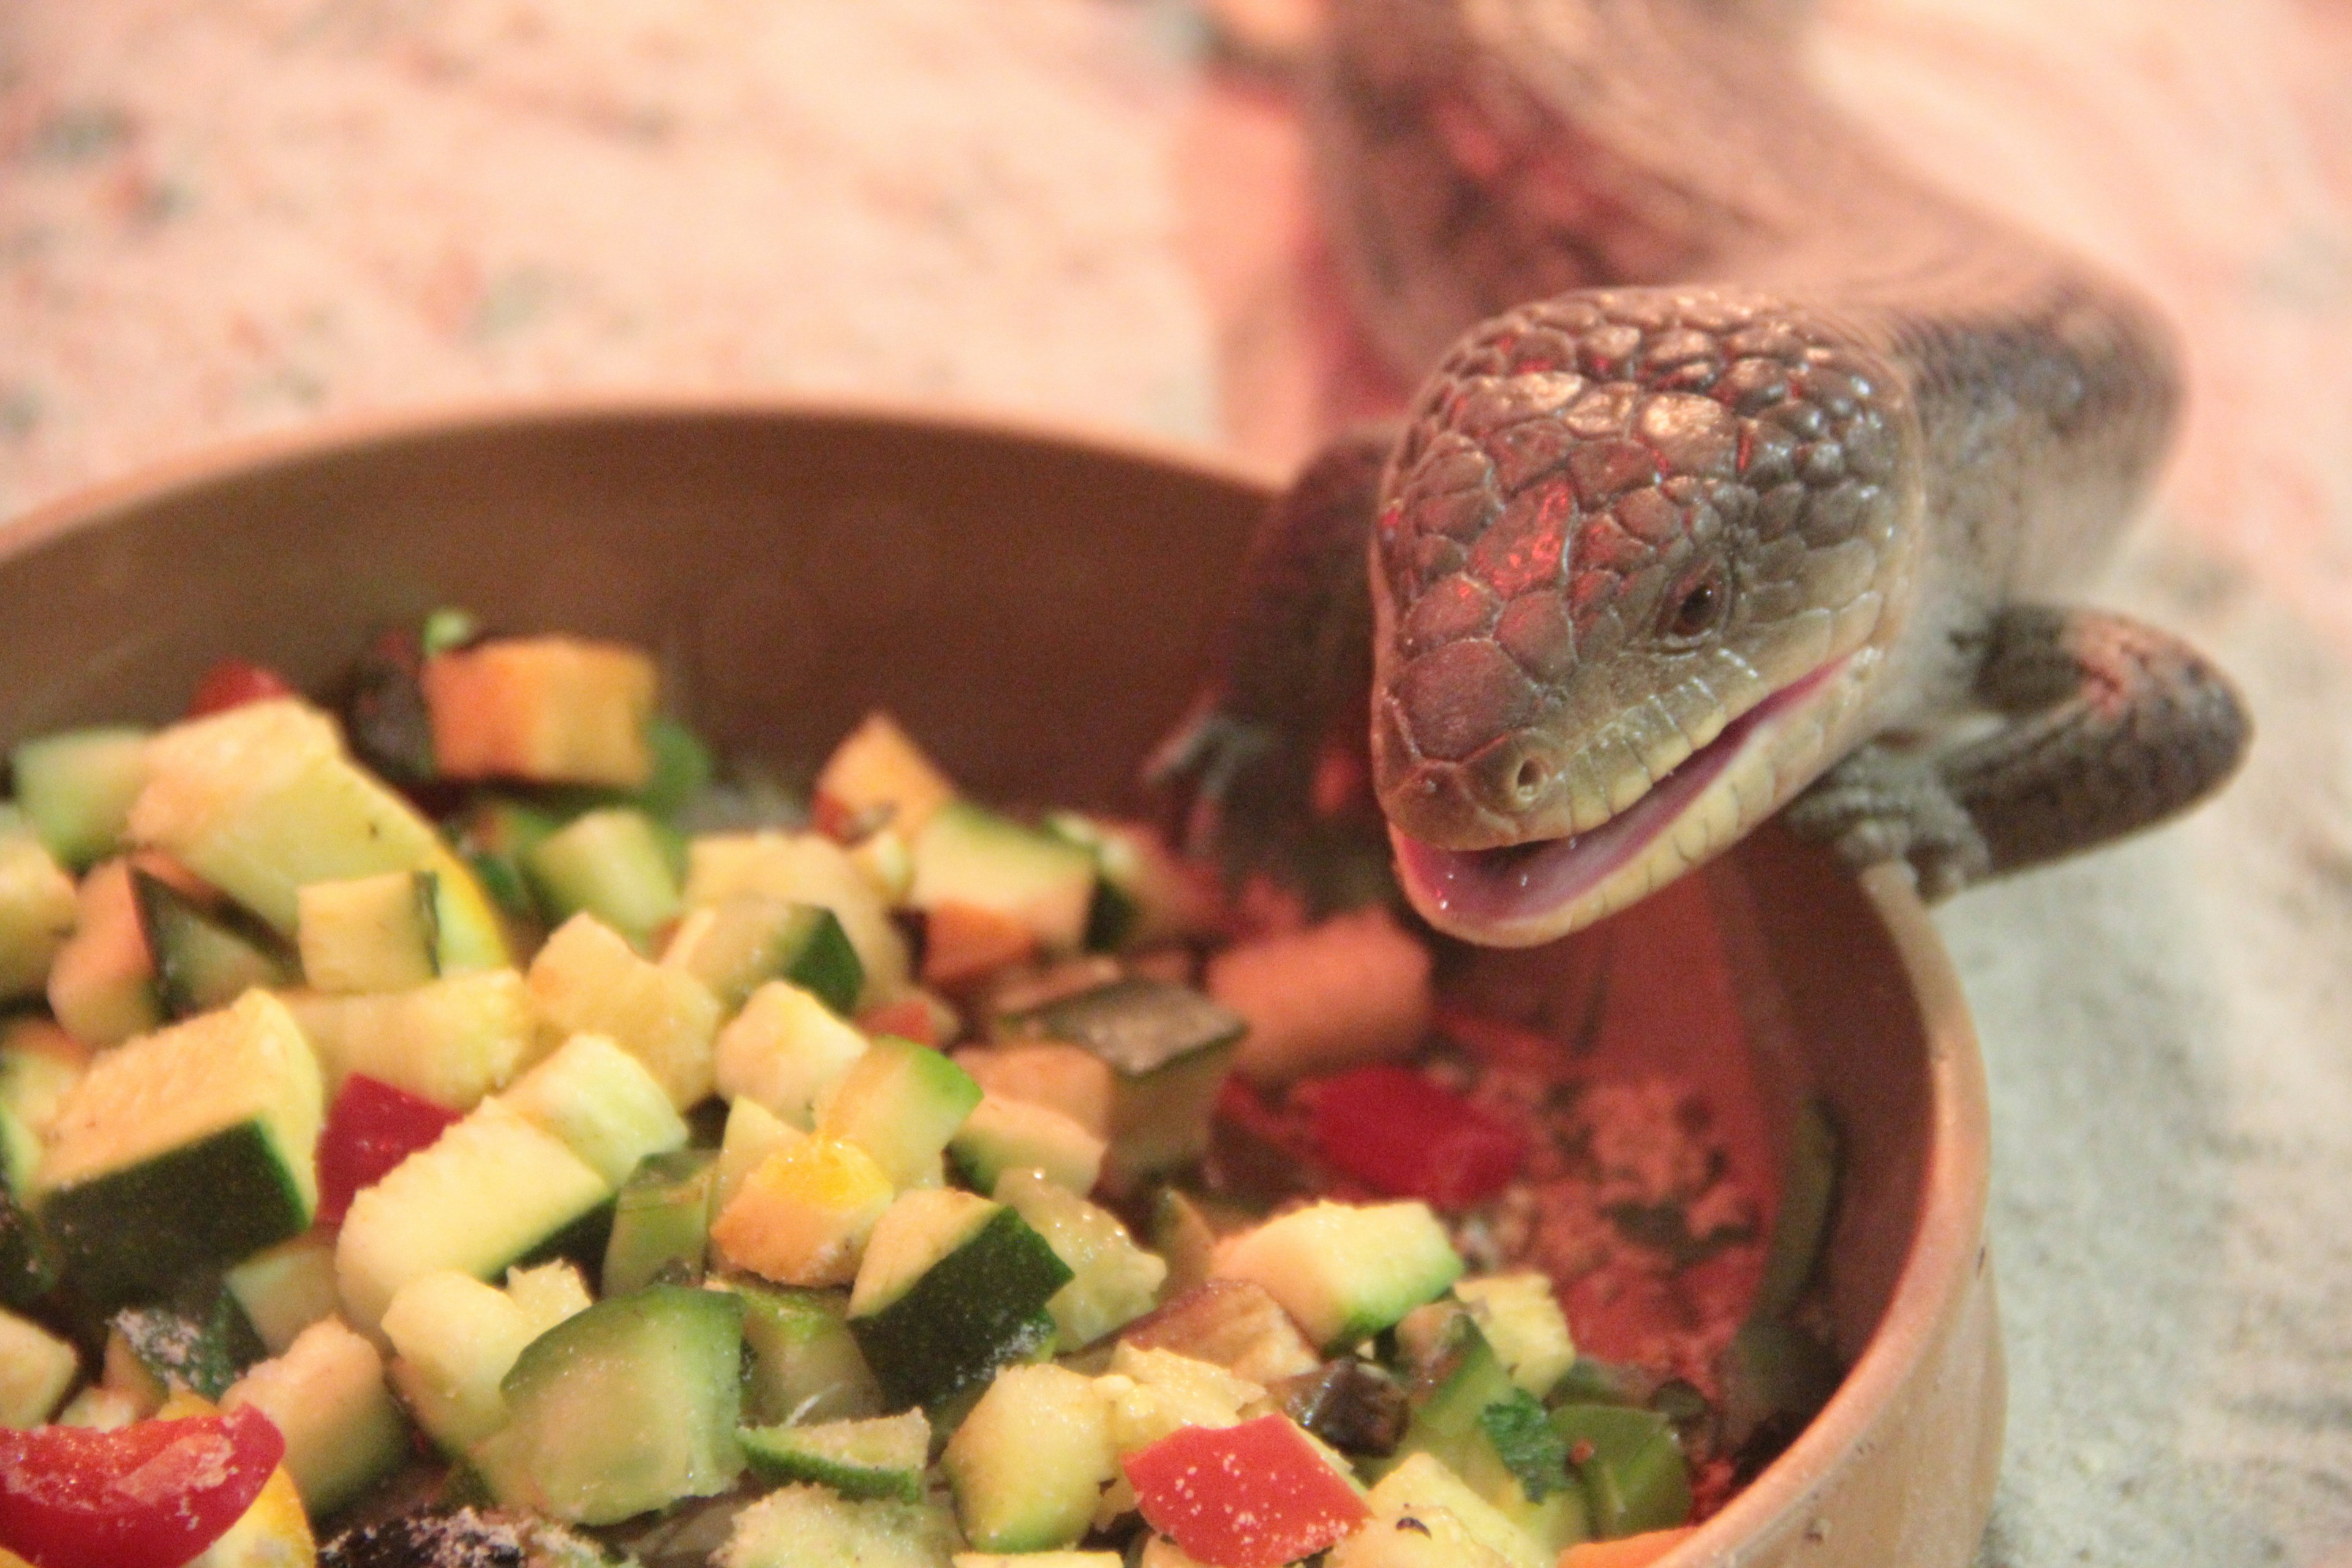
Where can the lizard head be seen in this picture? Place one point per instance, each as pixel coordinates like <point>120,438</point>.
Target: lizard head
<point>1639,559</point>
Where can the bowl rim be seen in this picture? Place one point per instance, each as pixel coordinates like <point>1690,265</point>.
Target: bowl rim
<point>214,460</point>
<point>1948,1248</point>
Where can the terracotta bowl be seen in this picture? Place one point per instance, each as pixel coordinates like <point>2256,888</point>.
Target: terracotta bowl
<point>1033,608</point>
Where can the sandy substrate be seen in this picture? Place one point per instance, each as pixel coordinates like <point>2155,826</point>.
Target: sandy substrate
<point>220,215</point>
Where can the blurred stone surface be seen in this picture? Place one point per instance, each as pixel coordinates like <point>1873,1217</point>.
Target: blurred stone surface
<point>223,216</point>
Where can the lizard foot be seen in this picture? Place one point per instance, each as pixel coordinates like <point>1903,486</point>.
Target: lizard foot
<point>1883,805</point>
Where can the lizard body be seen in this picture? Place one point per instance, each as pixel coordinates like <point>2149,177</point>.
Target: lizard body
<point>1652,560</point>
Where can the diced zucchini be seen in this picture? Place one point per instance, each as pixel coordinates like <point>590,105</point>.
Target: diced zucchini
<point>452,1041</point>
<point>259,800</point>
<point>470,934</point>
<point>1421,1486</point>
<point>1800,1226</point>
<point>661,1222</point>
<point>878,773</point>
<point>552,710</point>
<point>1037,1560</point>
<point>1634,1476</point>
<point>492,1191</point>
<point>77,787</point>
<point>29,1264</point>
<point>1521,1319</point>
<point>102,984</point>
<point>203,1345</point>
<point>370,934</point>
<point>602,1102</point>
<point>99,1408</point>
<point>1773,1372</point>
<point>787,1050</point>
<point>455,1339</point>
<point>1070,1080</point>
<point>1345,1271</point>
<point>882,1457</point>
<point>38,1062</point>
<point>817,1527</point>
<point>805,1364</point>
<point>1152,1392</point>
<point>1169,1047</point>
<point>966,855</point>
<point>1143,894</point>
<point>610,863</point>
<point>752,1133</point>
<point>588,980</point>
<point>1029,1463</point>
<point>38,908</point>
<point>1005,1135</point>
<point>1230,1323</point>
<point>548,1292</point>
<point>682,769</point>
<point>951,1288</point>
<point>1353,990</point>
<point>741,943</point>
<point>188,1148</point>
<point>286,1289</point>
<point>203,959</point>
<point>1112,1280</point>
<point>626,1407</point>
<point>327,1395</point>
<point>36,1368</point>
<point>804,1216</point>
<point>1453,1423</point>
<point>804,868</point>
<point>901,1103</point>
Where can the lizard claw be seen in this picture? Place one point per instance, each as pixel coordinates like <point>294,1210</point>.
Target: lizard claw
<point>1229,788</point>
<point>1882,804</point>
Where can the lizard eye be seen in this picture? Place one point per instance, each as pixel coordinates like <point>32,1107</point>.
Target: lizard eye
<point>1697,607</point>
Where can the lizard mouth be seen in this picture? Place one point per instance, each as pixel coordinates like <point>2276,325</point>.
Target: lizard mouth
<point>1522,894</point>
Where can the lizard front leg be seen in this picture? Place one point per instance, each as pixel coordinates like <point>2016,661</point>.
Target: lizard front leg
<point>2100,726</point>
<point>1293,678</point>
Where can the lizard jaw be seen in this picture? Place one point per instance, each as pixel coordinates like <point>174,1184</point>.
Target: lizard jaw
<point>1522,895</point>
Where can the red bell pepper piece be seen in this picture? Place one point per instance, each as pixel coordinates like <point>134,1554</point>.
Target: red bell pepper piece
<point>372,1128</point>
<point>1252,1495</point>
<point>149,1495</point>
<point>233,683</point>
<point>1401,1134</point>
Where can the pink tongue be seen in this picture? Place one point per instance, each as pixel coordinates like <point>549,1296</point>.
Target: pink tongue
<point>1529,881</point>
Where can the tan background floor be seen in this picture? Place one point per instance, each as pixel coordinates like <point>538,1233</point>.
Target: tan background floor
<point>221,216</point>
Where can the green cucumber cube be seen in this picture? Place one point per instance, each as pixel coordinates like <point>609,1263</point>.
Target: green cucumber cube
<point>491,1192</point>
<point>202,960</point>
<point>934,1331</point>
<point>370,934</point>
<point>805,1364</point>
<point>187,1149</point>
<point>1029,1463</point>
<point>77,787</point>
<point>1346,1271</point>
<point>883,1456</point>
<point>902,1103</point>
<point>624,1408</point>
<point>38,908</point>
<point>613,864</point>
<point>1169,1047</point>
<point>966,854</point>
<point>742,942</point>
<point>602,1103</point>
<point>804,1526</point>
<point>343,1430</point>
<point>661,1222</point>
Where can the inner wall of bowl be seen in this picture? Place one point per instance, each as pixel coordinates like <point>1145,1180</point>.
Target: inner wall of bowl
<point>1031,610</point>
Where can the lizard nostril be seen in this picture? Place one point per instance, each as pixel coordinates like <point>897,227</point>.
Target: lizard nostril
<point>1530,779</point>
